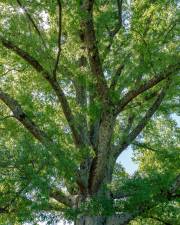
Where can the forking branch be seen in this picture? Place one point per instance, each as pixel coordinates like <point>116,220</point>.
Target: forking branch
<point>53,82</point>
<point>92,49</point>
<point>142,123</point>
<point>132,94</point>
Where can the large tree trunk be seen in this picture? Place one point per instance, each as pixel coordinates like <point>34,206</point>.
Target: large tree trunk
<point>122,219</point>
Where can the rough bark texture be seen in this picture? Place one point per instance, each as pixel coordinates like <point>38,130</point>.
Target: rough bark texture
<point>100,220</point>
<point>101,160</point>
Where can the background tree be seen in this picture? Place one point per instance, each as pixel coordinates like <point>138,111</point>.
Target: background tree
<point>80,82</point>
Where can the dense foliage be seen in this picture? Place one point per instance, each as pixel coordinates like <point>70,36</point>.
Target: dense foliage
<point>80,81</point>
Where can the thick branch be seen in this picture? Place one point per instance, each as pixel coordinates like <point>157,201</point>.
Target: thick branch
<point>144,87</point>
<point>119,4</point>
<point>53,82</point>
<point>59,196</point>
<point>67,112</point>
<point>140,103</point>
<point>143,122</point>
<point>22,117</point>
<point>100,162</point>
<point>92,48</point>
<point>59,37</point>
<point>28,58</point>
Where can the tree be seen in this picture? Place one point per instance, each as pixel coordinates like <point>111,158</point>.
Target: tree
<point>80,82</point>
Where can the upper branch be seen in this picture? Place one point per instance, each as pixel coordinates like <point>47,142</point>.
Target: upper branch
<point>28,58</point>
<point>116,77</point>
<point>144,87</point>
<point>145,146</point>
<point>118,26</point>
<point>143,122</point>
<point>52,81</point>
<point>119,4</point>
<point>59,37</point>
<point>23,118</point>
<point>32,21</point>
<point>92,48</point>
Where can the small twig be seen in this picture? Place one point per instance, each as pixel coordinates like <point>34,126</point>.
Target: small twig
<point>167,33</point>
<point>145,146</point>
<point>32,21</point>
<point>6,117</point>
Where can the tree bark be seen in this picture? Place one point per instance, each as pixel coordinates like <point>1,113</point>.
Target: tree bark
<point>121,219</point>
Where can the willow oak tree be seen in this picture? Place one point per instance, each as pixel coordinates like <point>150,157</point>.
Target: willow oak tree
<point>80,81</point>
